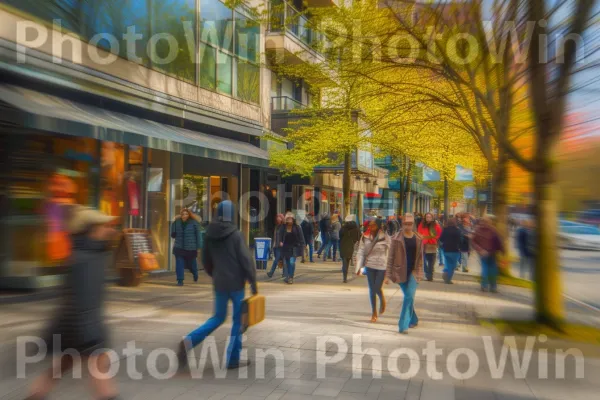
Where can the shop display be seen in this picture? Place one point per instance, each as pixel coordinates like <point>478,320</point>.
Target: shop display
<point>133,244</point>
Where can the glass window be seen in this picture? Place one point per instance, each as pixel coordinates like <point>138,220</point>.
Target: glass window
<point>158,204</point>
<point>248,82</point>
<point>224,64</point>
<point>177,18</point>
<point>65,10</point>
<point>216,24</point>
<point>114,17</point>
<point>247,38</point>
<point>208,62</point>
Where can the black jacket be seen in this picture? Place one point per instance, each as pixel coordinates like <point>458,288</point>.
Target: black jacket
<point>308,230</point>
<point>349,235</point>
<point>325,226</point>
<point>451,239</point>
<point>295,247</point>
<point>227,259</point>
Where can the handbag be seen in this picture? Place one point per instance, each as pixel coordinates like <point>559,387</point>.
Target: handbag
<point>148,262</point>
<point>431,248</point>
<point>253,311</point>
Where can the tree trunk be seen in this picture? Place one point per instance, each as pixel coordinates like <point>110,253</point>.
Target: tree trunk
<point>446,201</point>
<point>549,301</point>
<point>408,186</point>
<point>500,194</point>
<point>346,184</point>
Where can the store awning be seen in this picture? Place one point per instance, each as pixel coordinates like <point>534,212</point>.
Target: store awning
<point>54,114</point>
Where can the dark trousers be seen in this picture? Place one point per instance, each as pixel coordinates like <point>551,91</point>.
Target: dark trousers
<point>375,278</point>
<point>183,263</point>
<point>429,264</point>
<point>345,266</point>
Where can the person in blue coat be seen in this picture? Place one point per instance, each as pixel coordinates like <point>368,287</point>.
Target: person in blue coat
<point>188,239</point>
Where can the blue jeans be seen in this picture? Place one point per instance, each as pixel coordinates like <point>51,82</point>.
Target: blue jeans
<point>311,250</point>
<point>450,266</point>
<point>464,260</point>
<point>489,272</point>
<point>429,264</point>
<point>408,316</point>
<point>526,270</point>
<point>335,243</point>
<point>375,278</point>
<point>441,255</point>
<point>183,263</point>
<point>290,267</point>
<point>326,249</point>
<point>235,341</point>
<point>276,258</point>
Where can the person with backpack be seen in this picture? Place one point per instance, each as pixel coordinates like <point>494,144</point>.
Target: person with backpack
<point>372,255</point>
<point>228,261</point>
<point>325,228</point>
<point>188,239</point>
<point>308,230</point>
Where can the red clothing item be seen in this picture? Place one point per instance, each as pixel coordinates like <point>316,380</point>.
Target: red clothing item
<point>424,232</point>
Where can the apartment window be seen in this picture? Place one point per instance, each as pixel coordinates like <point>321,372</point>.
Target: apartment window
<point>224,71</point>
<point>248,81</point>
<point>208,67</point>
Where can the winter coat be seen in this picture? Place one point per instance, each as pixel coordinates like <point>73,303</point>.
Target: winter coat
<point>423,231</point>
<point>308,230</point>
<point>487,239</point>
<point>377,257</point>
<point>297,245</point>
<point>79,318</point>
<point>276,237</point>
<point>335,230</point>
<point>523,239</point>
<point>188,237</point>
<point>349,235</point>
<point>465,231</point>
<point>227,259</point>
<point>397,268</point>
<point>451,239</point>
<point>325,227</point>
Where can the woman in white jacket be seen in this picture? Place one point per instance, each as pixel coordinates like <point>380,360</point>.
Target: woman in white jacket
<point>372,254</point>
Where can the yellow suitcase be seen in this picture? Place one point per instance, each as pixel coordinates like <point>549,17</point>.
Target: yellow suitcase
<point>253,311</point>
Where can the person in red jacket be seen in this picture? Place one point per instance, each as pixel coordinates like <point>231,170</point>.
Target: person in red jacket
<point>430,231</point>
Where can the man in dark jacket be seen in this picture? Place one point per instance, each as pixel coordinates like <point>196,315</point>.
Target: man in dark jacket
<point>228,261</point>
<point>451,241</point>
<point>524,239</point>
<point>349,236</point>
<point>325,226</point>
<point>308,230</point>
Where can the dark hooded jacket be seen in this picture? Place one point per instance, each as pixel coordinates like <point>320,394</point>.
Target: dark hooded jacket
<point>325,227</point>
<point>226,257</point>
<point>349,236</point>
<point>293,243</point>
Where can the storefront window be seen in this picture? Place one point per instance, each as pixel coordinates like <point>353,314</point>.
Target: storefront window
<point>158,203</point>
<point>112,175</point>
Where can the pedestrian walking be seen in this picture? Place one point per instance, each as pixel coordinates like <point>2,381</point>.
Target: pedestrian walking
<point>229,262</point>
<point>325,228</point>
<point>524,237</point>
<point>78,325</point>
<point>187,233</point>
<point>450,241</point>
<point>441,220</point>
<point>349,236</point>
<point>487,243</point>
<point>308,230</point>
<point>279,220</point>
<point>372,254</point>
<point>405,268</point>
<point>336,226</point>
<point>430,231</point>
<point>392,226</point>
<point>465,226</point>
<point>292,245</point>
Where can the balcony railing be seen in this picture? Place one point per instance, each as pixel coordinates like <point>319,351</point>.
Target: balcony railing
<point>285,18</point>
<point>285,103</point>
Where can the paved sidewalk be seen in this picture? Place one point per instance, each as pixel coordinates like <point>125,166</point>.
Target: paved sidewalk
<point>156,315</point>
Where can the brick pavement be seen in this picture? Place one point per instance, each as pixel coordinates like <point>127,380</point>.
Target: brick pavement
<point>158,313</point>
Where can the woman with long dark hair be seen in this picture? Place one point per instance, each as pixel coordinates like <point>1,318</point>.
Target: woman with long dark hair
<point>430,231</point>
<point>373,254</point>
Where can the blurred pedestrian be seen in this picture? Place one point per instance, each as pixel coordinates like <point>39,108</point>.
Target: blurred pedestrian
<point>392,226</point>
<point>228,261</point>
<point>372,254</point>
<point>405,268</point>
<point>430,231</point>
<point>450,242</point>
<point>279,220</point>
<point>188,239</point>
<point>308,230</point>
<point>292,245</point>
<point>349,236</point>
<point>79,323</point>
<point>325,227</point>
<point>524,238</point>
<point>487,243</point>
<point>466,229</point>
<point>336,226</point>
